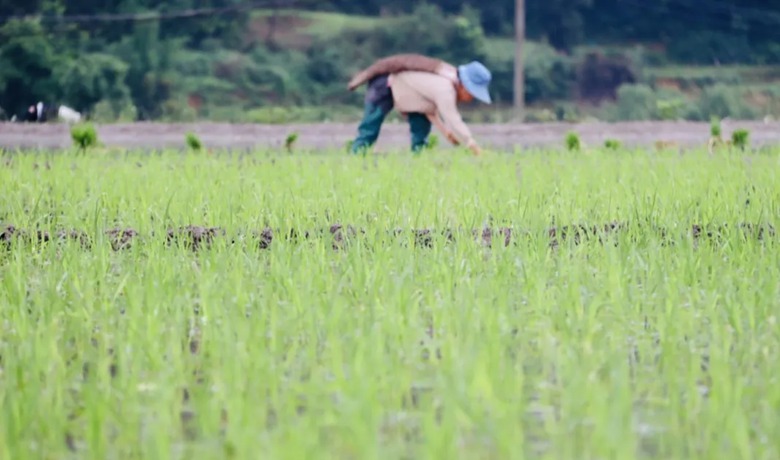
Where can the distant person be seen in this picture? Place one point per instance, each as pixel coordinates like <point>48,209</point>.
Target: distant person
<point>41,113</point>
<point>37,113</point>
<point>426,91</point>
<point>32,114</point>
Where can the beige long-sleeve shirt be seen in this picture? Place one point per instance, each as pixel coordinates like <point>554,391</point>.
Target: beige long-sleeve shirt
<point>431,94</point>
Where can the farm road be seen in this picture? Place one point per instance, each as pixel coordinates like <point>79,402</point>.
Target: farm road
<point>393,136</point>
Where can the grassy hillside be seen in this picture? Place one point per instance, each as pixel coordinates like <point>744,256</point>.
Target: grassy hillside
<point>679,85</point>
<point>298,29</point>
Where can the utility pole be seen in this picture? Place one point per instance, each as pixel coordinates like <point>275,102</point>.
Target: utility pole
<point>519,85</point>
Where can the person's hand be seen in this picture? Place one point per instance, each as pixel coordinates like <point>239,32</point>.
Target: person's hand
<point>475,149</point>
<point>452,138</point>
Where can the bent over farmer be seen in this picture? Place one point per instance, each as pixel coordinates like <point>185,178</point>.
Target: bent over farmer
<point>426,91</point>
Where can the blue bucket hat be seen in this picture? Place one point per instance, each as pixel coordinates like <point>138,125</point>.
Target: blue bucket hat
<point>476,78</point>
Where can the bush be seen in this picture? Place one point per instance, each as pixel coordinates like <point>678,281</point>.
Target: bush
<point>93,78</point>
<point>669,109</point>
<point>295,114</point>
<point>724,101</point>
<point>428,30</point>
<point>275,115</point>
<point>640,102</point>
<point>567,112</point>
<point>549,75</point>
<point>84,136</point>
<point>28,62</point>
<point>707,47</point>
<point>600,77</point>
<point>107,111</point>
<point>691,78</point>
<point>177,109</point>
<point>671,104</point>
<point>636,102</point>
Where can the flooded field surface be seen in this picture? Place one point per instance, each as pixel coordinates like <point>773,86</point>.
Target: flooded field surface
<point>393,136</point>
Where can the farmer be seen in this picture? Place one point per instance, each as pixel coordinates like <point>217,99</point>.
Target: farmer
<point>426,91</point>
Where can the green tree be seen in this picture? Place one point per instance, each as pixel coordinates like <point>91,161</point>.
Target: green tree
<point>636,102</point>
<point>723,101</point>
<point>558,22</point>
<point>453,38</point>
<point>92,78</point>
<point>28,59</point>
<point>149,75</point>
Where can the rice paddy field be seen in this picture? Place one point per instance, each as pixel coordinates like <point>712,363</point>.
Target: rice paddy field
<point>546,304</point>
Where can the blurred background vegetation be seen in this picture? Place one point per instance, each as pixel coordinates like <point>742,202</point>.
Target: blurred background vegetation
<point>278,61</point>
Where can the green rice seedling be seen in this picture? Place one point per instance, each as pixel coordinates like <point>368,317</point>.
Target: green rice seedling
<point>84,136</point>
<point>193,142</point>
<point>289,142</point>
<point>740,138</point>
<point>612,144</point>
<point>433,142</point>
<point>715,129</point>
<point>323,305</point>
<point>573,142</point>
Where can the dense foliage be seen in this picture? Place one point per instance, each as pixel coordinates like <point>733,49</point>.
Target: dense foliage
<point>223,59</point>
<point>727,30</point>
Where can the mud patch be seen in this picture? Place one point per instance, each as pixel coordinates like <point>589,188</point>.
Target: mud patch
<point>121,238</point>
<point>265,237</point>
<point>503,234</point>
<point>341,235</point>
<point>11,233</point>
<point>194,237</point>
<point>581,233</point>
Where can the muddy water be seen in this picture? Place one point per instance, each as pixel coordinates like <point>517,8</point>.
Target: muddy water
<point>393,136</point>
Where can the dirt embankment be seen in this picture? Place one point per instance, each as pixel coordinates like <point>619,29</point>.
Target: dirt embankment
<point>393,135</point>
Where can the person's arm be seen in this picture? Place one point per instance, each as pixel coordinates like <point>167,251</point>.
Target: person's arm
<point>446,104</point>
<point>439,124</point>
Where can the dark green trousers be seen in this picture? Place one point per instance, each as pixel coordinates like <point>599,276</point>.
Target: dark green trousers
<point>379,103</point>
